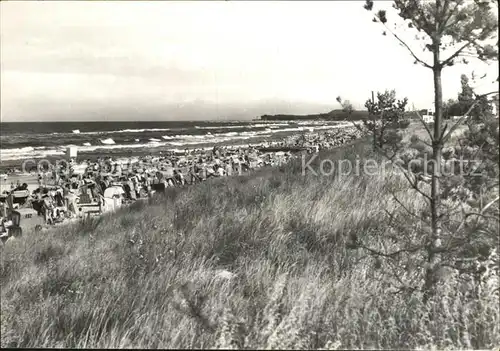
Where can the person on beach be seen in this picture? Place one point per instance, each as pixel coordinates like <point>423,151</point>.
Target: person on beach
<point>244,167</point>
<point>48,207</point>
<point>71,200</point>
<point>219,171</point>
<point>37,202</point>
<point>169,174</point>
<point>210,171</point>
<point>202,171</point>
<point>229,167</point>
<point>193,174</point>
<point>132,189</point>
<point>136,184</point>
<point>59,198</point>
<point>179,177</point>
<point>118,169</point>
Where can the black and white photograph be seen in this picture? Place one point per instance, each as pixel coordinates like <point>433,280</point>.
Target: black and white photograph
<point>317,175</point>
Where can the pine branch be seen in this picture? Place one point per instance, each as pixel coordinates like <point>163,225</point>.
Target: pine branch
<point>407,210</point>
<point>456,54</point>
<point>455,126</point>
<point>392,254</point>
<point>425,64</point>
<point>413,183</point>
<point>449,17</point>
<point>489,204</point>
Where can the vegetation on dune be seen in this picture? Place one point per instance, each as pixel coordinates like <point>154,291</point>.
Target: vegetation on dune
<point>259,261</point>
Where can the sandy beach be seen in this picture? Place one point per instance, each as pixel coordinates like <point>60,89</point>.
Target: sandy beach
<point>30,179</point>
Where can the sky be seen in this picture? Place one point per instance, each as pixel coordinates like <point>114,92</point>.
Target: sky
<point>89,60</point>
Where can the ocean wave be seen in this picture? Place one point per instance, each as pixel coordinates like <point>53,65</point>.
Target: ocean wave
<point>311,128</point>
<point>19,150</point>
<point>179,140</point>
<point>117,146</point>
<point>110,144</point>
<point>31,153</point>
<point>230,134</point>
<point>219,127</point>
<point>211,136</point>
<point>108,141</point>
<point>336,126</point>
<point>312,123</point>
<point>214,141</point>
<point>76,131</point>
<point>269,125</point>
<point>261,132</point>
<point>183,136</point>
<point>297,129</point>
<point>20,154</point>
<point>143,130</point>
<point>248,126</point>
<point>27,153</point>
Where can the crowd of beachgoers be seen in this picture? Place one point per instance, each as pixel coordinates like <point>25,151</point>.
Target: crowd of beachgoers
<point>67,190</point>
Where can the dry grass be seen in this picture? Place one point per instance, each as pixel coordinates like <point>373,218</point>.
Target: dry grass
<point>151,276</point>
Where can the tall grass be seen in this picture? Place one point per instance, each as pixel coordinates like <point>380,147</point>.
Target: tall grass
<point>258,261</point>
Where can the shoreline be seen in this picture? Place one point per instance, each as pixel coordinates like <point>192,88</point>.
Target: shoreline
<point>159,150</point>
<point>70,221</point>
<point>11,159</point>
<point>32,180</point>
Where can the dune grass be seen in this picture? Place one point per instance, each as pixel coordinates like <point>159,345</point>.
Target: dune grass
<point>154,275</point>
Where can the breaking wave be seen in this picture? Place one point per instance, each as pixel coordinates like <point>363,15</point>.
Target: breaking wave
<point>76,131</point>
<point>92,144</point>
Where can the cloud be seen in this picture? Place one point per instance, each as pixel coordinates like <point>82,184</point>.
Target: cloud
<point>100,54</point>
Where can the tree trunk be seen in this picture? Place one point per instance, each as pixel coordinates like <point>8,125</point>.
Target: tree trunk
<point>374,120</point>
<point>437,148</point>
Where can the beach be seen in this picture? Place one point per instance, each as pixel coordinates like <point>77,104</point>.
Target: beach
<point>102,183</point>
<point>26,147</point>
<point>35,141</point>
<point>30,179</point>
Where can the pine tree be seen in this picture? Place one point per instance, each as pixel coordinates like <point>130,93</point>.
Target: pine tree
<point>464,29</point>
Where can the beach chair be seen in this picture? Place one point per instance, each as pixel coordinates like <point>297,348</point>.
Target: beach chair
<point>84,199</point>
<point>133,192</point>
<point>158,186</point>
<point>20,197</point>
<point>113,197</point>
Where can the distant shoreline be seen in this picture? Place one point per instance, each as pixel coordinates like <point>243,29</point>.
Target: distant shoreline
<point>334,115</point>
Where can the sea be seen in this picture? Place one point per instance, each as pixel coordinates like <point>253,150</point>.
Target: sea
<point>20,141</point>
